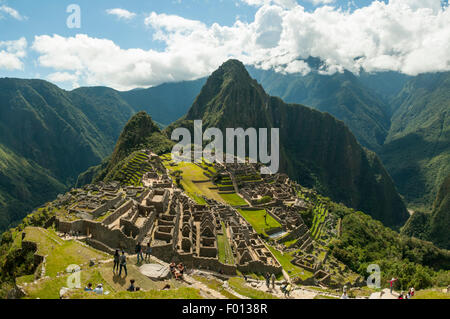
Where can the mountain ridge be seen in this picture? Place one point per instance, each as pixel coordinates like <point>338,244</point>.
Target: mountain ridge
<point>310,141</point>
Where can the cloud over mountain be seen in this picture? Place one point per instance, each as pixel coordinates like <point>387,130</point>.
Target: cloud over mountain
<point>409,36</point>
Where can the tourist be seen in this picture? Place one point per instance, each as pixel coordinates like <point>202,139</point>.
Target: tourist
<point>273,280</point>
<point>172,267</point>
<point>408,295</point>
<point>344,293</point>
<point>391,283</point>
<point>123,264</point>
<point>148,252</point>
<point>132,288</point>
<point>138,251</point>
<point>287,291</point>
<point>88,287</point>
<point>181,269</point>
<point>268,280</point>
<point>412,291</point>
<point>401,295</point>
<point>99,289</point>
<point>116,261</point>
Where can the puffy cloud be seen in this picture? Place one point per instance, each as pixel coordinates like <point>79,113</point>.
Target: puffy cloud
<point>12,53</point>
<point>12,12</point>
<point>409,36</point>
<point>121,13</point>
<point>61,77</point>
<point>320,2</point>
<point>281,3</point>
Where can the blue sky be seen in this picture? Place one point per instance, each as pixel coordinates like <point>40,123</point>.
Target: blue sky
<point>266,22</point>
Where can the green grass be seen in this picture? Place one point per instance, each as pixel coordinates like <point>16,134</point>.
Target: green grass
<point>256,219</point>
<point>70,253</point>
<point>239,285</point>
<point>431,294</point>
<point>215,285</point>
<point>233,199</point>
<point>60,253</point>
<point>285,261</point>
<point>180,293</point>
<point>225,252</point>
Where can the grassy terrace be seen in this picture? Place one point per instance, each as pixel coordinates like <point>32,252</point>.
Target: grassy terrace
<point>256,219</point>
<point>285,261</point>
<point>320,213</point>
<point>239,285</point>
<point>225,252</point>
<point>192,172</point>
<point>60,254</point>
<point>233,199</point>
<point>132,172</point>
<point>215,285</point>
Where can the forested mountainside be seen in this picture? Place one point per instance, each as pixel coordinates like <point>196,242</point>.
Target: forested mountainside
<point>316,149</point>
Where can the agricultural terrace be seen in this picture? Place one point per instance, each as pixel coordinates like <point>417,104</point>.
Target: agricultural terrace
<point>256,219</point>
<point>196,182</point>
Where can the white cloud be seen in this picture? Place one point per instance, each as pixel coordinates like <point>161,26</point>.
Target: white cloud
<point>12,12</point>
<point>320,2</point>
<point>281,3</point>
<point>121,13</point>
<point>12,53</point>
<point>63,77</point>
<point>409,36</point>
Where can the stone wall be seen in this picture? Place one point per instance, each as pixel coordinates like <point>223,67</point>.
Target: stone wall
<point>114,239</point>
<point>119,212</point>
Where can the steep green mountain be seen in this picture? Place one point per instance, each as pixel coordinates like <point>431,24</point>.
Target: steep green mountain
<point>167,102</point>
<point>433,226</point>
<point>417,149</point>
<point>140,132</point>
<point>23,186</point>
<point>316,149</point>
<point>386,84</point>
<point>440,218</point>
<point>48,136</point>
<point>342,95</point>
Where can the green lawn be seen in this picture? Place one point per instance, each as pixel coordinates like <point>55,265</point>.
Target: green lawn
<point>239,285</point>
<point>215,285</point>
<point>225,252</point>
<point>436,293</point>
<point>233,199</point>
<point>291,269</point>
<point>60,253</point>
<point>190,173</point>
<point>256,219</point>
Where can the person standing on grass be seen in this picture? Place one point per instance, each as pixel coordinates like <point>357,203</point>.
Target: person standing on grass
<point>116,261</point>
<point>391,283</point>
<point>123,264</point>
<point>148,252</point>
<point>138,251</point>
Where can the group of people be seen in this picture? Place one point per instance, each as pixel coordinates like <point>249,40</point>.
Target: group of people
<point>132,287</point>
<point>286,289</point>
<point>120,259</point>
<point>98,290</point>
<point>120,263</point>
<point>140,252</point>
<point>270,278</point>
<point>409,295</point>
<point>177,271</point>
